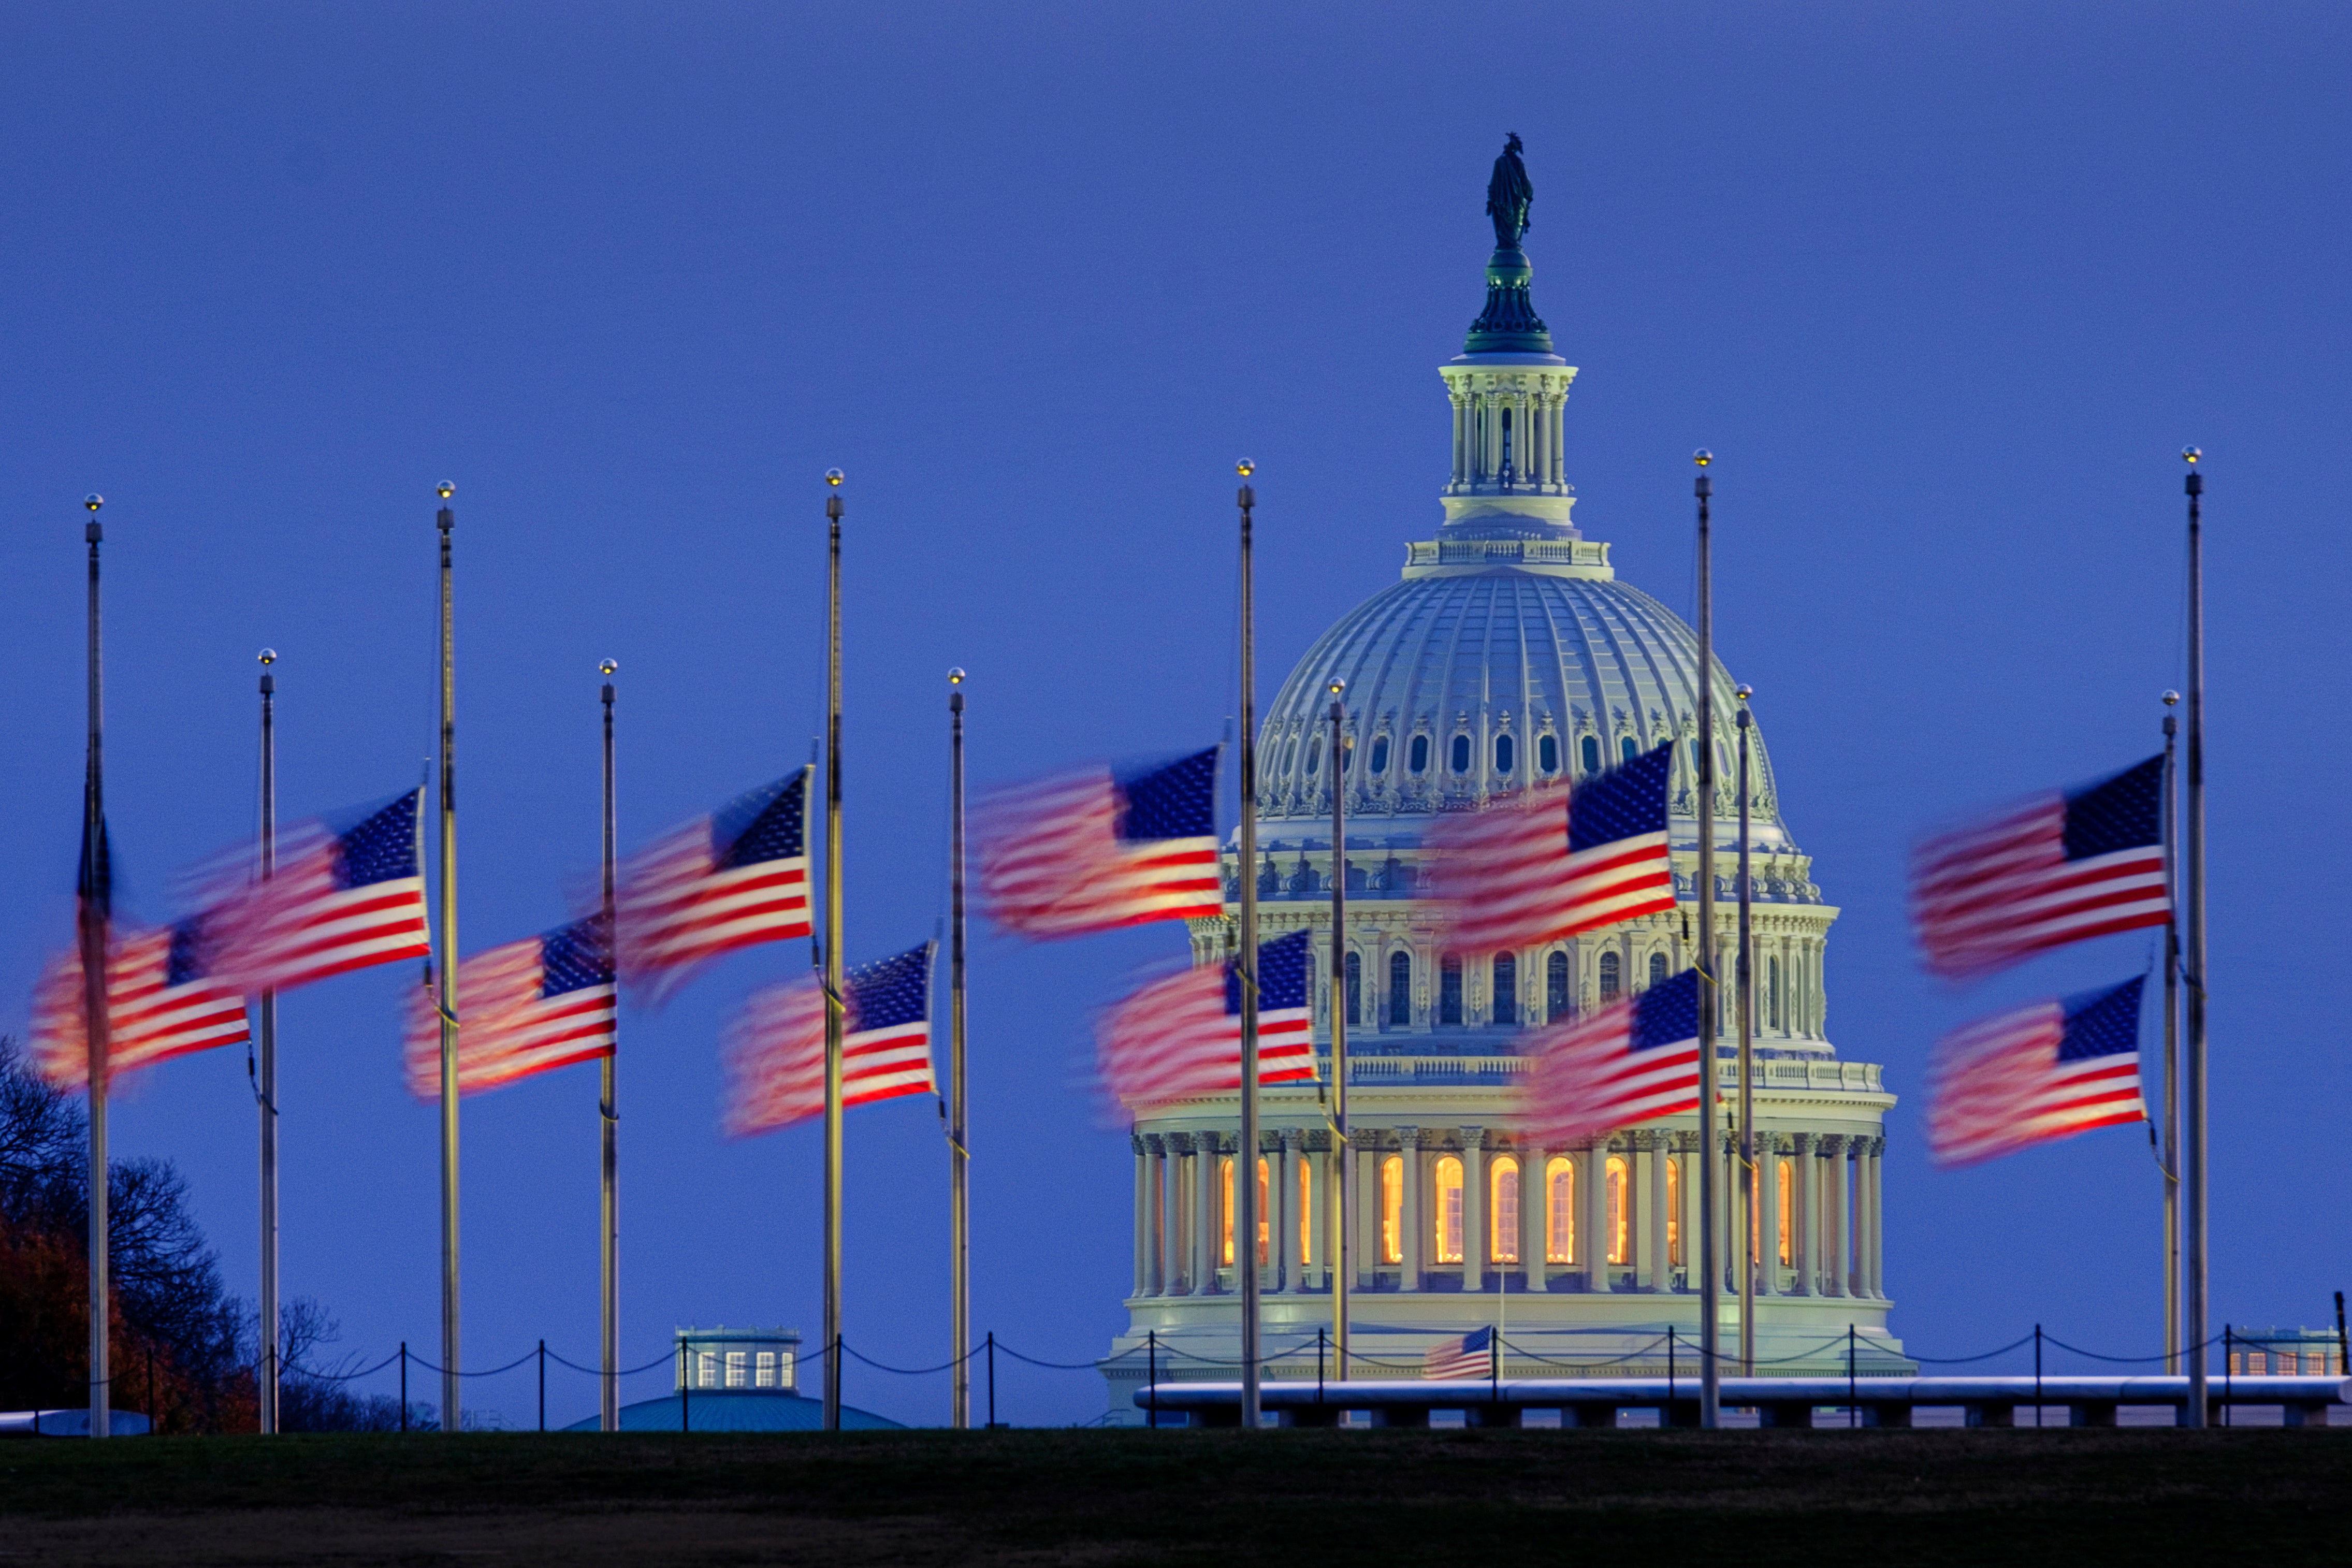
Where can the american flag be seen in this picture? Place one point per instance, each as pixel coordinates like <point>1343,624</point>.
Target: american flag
<point>2051,870</point>
<point>1464,1355</point>
<point>1101,850</point>
<point>775,1050</point>
<point>160,1001</point>
<point>2039,1072</point>
<point>1180,1038</point>
<point>737,876</point>
<point>524,1007</point>
<point>1634,1061</point>
<point>343,899</point>
<point>1538,866</point>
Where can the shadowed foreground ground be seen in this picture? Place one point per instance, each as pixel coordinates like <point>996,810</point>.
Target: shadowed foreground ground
<point>1220,1498</point>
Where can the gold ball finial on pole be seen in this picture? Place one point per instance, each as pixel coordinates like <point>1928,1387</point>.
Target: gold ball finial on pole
<point>269,656</point>
<point>606,668</point>
<point>1702,456</point>
<point>2190,454</point>
<point>955,676</point>
<point>93,501</point>
<point>445,489</point>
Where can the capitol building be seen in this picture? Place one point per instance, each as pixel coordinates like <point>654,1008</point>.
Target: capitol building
<point>1510,652</point>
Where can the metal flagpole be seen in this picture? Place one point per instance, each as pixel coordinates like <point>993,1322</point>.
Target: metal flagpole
<point>959,1147</point>
<point>1245,1153</point>
<point>1745,1254</point>
<point>834,1005</point>
<point>608,1113</point>
<point>2170,1144</point>
<point>97,901</point>
<point>266,1066</point>
<point>1702,809</point>
<point>2192,1101</point>
<point>1336,1198</point>
<point>452,1409</point>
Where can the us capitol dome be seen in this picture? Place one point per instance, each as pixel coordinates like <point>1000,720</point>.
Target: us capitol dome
<point>1509,653</point>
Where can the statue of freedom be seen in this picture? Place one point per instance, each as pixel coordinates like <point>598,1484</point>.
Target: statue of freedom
<point>1509,195</point>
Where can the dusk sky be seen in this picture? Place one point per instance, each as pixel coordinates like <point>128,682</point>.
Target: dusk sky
<point>1945,289</point>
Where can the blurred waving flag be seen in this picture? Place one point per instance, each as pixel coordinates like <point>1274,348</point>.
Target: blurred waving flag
<point>527,1006</point>
<point>1464,1355</point>
<point>1102,849</point>
<point>2049,870</point>
<point>343,899</point>
<point>2048,1070</point>
<point>1181,1037</point>
<point>735,877</point>
<point>1632,1061</point>
<point>1544,864</point>
<point>776,1049</point>
<point>161,1003</point>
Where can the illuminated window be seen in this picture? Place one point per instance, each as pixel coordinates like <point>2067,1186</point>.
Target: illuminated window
<point>1612,973</point>
<point>1592,749</point>
<point>1461,753</point>
<point>1225,1207</point>
<point>1506,989</point>
<point>706,1369</point>
<point>1773,992</point>
<point>1449,990</point>
<point>1560,1210</point>
<point>1419,761</point>
<point>1449,1210</point>
<point>1355,1013</point>
<point>736,1360</point>
<point>1621,1226</point>
<point>763,1370</point>
<point>1265,1210</point>
<point>1393,1209</point>
<point>1658,969</point>
<point>1503,1209</point>
<point>1400,988</point>
<point>1548,754</point>
<point>1674,1211</point>
<point>1305,1212</point>
<point>1506,757</point>
<point>1787,1196</point>
<point>1380,755</point>
<point>1554,987</point>
<point>1630,747</point>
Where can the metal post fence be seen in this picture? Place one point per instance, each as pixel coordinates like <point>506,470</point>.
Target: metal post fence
<point>542,1385</point>
<point>1152,1376</point>
<point>404,1385</point>
<point>992,1380</point>
<point>1853,1396</point>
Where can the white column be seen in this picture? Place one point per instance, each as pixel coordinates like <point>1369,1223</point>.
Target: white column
<point>1317,1163</point>
<point>1768,1215</point>
<point>1534,1197</point>
<point>1208,1226</point>
<point>1873,1274</point>
<point>1592,1198</point>
<point>1726,1206</point>
<point>1657,1275</point>
<point>1833,1215</point>
<point>1691,1219</point>
<point>1282,1214</point>
<point>1411,1220</point>
<point>1808,1207</point>
<point>1473,1208</point>
<point>1143,1238</point>
<point>1366,1154</point>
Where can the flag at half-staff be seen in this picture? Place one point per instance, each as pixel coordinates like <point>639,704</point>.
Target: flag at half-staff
<point>1544,864</point>
<point>162,1002</point>
<point>1181,1037</point>
<point>776,1049</point>
<point>531,1006</point>
<point>734,878</point>
<point>343,897</point>
<point>1634,1061</point>
<point>2057,868</point>
<point>2050,1070</point>
<point>1104,848</point>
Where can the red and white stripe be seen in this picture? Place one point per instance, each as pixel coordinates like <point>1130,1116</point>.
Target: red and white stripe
<point>148,1021</point>
<point>1987,895</point>
<point>1997,1086</point>
<point>1506,878</point>
<point>1583,1080</point>
<point>1173,1041</point>
<point>299,926</point>
<point>1052,863</point>
<point>1454,1358</point>
<point>675,910</point>
<point>775,1060</point>
<point>506,1029</point>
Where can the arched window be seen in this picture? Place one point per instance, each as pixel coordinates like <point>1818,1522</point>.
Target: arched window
<point>1788,1199</point>
<point>1265,1211</point>
<point>1419,761</point>
<point>1611,980</point>
<point>1506,989</point>
<point>1658,969</point>
<point>1315,757</point>
<point>1554,987</point>
<point>1289,754</point>
<point>1355,1013</point>
<point>1305,1212</point>
<point>1225,1207</point>
<point>1503,1210</point>
<point>1461,753</point>
<point>1772,993</point>
<point>1381,756</point>
<point>1506,756</point>
<point>1694,763</point>
<point>1591,753</point>
<point>1621,1218</point>
<point>1449,990</point>
<point>1393,1209</point>
<point>1560,1210</point>
<point>1630,747</point>
<point>1674,1212</point>
<point>1449,1209</point>
<point>1400,988</point>
<point>1548,754</point>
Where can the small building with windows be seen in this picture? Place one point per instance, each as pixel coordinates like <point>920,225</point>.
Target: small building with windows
<point>735,1380</point>
<point>2284,1353</point>
<point>1509,653</point>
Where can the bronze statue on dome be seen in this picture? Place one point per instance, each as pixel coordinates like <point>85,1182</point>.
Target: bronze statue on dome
<point>1509,194</point>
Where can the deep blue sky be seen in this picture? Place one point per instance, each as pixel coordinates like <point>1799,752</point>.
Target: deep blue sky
<point>1946,292</point>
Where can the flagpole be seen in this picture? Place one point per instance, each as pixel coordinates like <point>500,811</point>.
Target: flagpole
<point>1710,1156</point>
<point>608,1114</point>
<point>1744,1255</point>
<point>833,969</point>
<point>2192,1102</point>
<point>2170,1163</point>
<point>1337,1198</point>
<point>1245,1153</point>
<point>97,901</point>
<point>266,1066</point>
<point>959,1147</point>
<point>452,1408</point>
